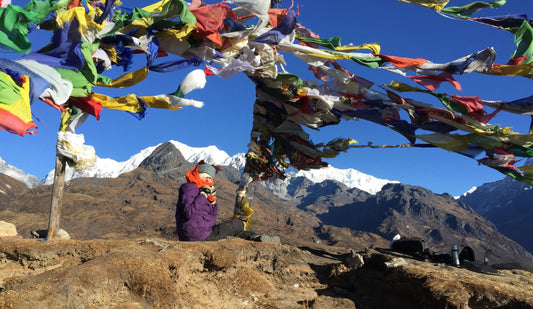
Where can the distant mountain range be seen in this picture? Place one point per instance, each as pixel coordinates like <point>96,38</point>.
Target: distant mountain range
<point>509,205</point>
<point>109,168</point>
<point>141,203</point>
<point>322,191</point>
<point>123,243</point>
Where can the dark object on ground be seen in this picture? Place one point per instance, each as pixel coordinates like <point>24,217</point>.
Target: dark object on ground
<point>414,246</point>
<point>248,235</point>
<point>39,234</point>
<point>467,254</point>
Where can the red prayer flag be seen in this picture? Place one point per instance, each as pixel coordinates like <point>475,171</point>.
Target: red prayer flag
<point>432,82</point>
<point>88,105</point>
<point>277,15</point>
<point>402,62</point>
<point>475,108</point>
<point>210,19</point>
<point>14,124</point>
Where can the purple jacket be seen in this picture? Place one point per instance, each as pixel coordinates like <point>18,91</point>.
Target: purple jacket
<point>195,217</point>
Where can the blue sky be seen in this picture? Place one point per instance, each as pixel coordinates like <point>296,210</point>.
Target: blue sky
<point>401,29</point>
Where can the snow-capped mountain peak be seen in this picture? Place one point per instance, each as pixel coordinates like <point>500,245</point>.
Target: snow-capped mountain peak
<point>109,168</point>
<point>350,177</point>
<point>473,189</point>
<point>11,171</point>
<point>211,154</point>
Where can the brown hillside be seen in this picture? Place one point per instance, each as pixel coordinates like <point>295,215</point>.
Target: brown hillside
<point>142,204</point>
<point>124,254</point>
<point>10,188</point>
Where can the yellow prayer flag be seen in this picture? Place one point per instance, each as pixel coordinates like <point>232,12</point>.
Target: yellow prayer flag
<point>524,69</point>
<point>374,47</point>
<point>526,168</point>
<point>21,107</point>
<point>436,5</point>
<point>128,103</point>
<point>401,87</point>
<point>127,80</point>
<point>156,7</point>
<point>85,20</point>
<point>451,142</point>
<point>159,101</point>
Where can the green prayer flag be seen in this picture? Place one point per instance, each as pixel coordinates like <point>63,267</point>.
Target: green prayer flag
<point>466,11</point>
<point>524,42</point>
<point>330,43</point>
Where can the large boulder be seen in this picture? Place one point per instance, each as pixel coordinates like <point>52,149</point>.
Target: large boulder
<point>7,229</point>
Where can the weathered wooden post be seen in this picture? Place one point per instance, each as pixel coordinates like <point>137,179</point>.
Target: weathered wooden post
<point>57,196</point>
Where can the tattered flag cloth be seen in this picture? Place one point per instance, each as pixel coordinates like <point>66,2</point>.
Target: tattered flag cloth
<point>15,22</point>
<point>38,83</point>
<point>15,113</point>
<point>72,146</point>
<point>90,38</point>
<point>466,11</point>
<point>506,21</point>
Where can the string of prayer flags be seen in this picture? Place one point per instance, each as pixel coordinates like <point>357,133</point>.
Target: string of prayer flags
<point>91,39</point>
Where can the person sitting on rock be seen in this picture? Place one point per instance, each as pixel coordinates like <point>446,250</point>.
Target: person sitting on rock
<point>197,210</point>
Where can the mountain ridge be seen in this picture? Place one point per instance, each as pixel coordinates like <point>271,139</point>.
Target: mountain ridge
<point>306,188</point>
<point>18,174</point>
<point>511,212</point>
<point>142,202</point>
<point>109,168</point>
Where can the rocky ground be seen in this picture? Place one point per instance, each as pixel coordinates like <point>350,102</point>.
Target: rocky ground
<point>234,273</point>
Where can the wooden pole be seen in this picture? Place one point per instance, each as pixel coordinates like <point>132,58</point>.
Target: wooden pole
<point>57,196</point>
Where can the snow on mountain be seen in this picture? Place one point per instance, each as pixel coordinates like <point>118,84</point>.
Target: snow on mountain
<point>473,189</point>
<point>350,177</point>
<point>109,168</point>
<point>11,171</point>
<point>211,154</point>
<point>105,167</point>
<point>495,187</point>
